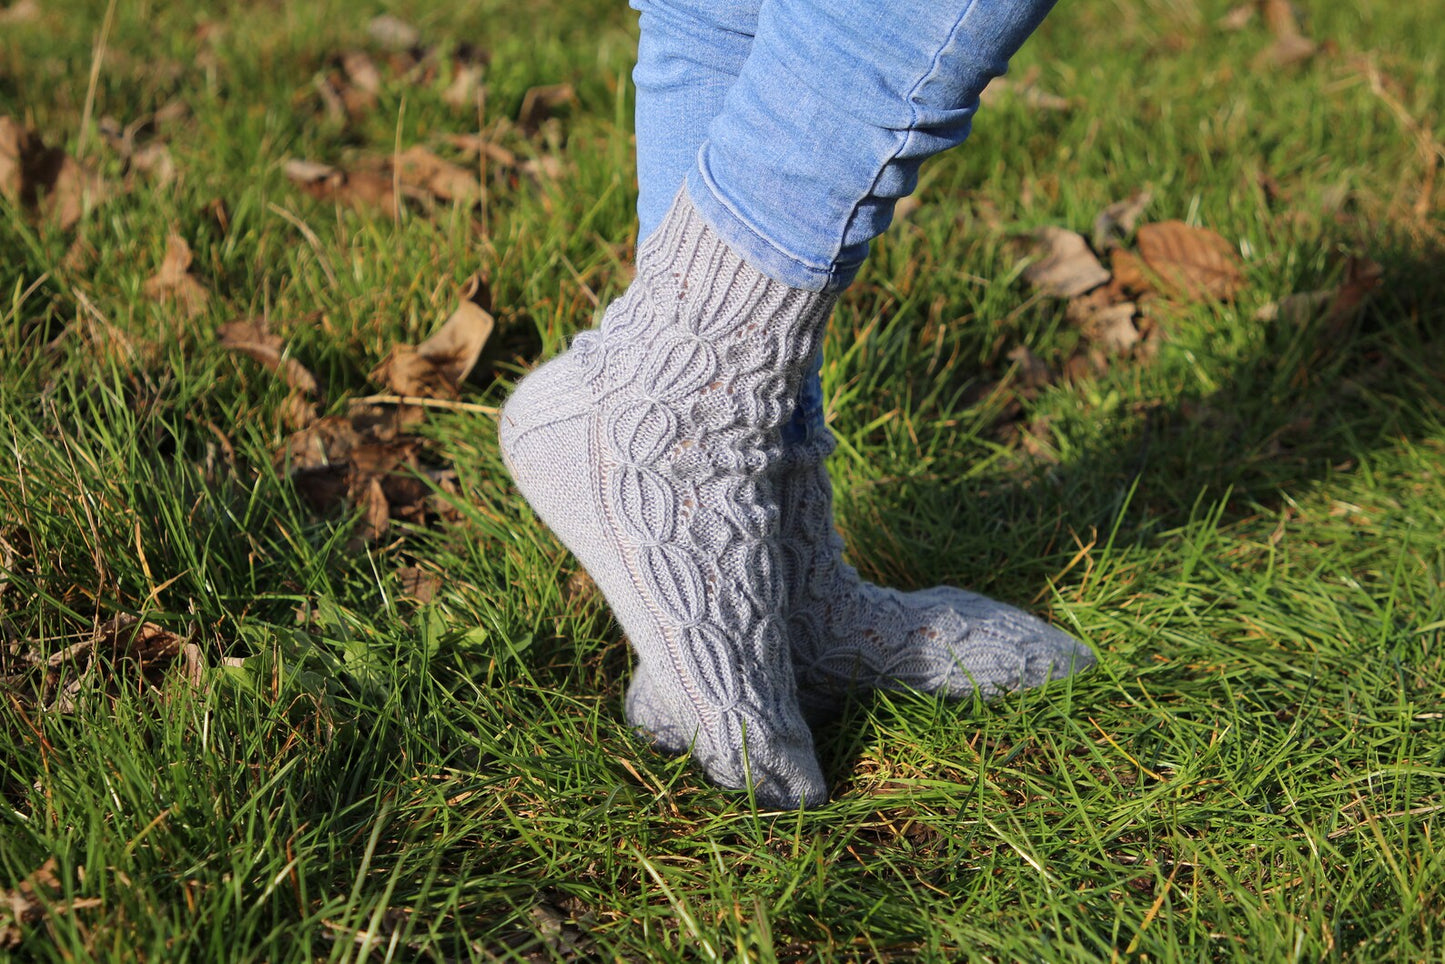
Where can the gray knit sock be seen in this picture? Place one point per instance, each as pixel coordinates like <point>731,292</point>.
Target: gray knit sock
<point>650,449</point>
<point>847,634</point>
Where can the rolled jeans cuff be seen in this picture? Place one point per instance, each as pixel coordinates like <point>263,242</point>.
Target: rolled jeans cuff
<point>757,250</point>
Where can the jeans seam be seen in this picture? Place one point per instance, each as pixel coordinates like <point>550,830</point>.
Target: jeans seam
<point>931,72</point>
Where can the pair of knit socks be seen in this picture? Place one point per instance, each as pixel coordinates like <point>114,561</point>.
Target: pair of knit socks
<point>653,449</point>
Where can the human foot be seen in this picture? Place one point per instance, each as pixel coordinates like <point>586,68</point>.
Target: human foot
<point>847,634</point>
<point>648,448</point>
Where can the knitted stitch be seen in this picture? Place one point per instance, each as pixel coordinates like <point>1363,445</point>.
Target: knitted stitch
<point>848,636</point>
<point>649,448</point>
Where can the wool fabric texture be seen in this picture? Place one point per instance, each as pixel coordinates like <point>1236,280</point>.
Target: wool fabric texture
<point>651,449</point>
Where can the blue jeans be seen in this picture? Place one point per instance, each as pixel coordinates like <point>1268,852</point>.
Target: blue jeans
<point>798,124</point>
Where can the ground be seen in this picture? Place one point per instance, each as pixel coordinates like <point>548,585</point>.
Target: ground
<point>291,673</point>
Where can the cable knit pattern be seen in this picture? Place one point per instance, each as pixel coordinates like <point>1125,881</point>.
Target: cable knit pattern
<point>650,448</point>
<point>849,636</point>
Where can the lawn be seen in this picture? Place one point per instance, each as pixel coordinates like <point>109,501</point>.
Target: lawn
<point>289,672</point>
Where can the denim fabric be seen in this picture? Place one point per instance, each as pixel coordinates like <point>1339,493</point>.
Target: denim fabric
<point>797,124</point>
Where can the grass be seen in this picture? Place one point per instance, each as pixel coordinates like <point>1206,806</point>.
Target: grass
<point>1247,527</point>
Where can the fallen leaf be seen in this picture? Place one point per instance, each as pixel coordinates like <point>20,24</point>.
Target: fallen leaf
<point>125,641</point>
<point>14,145</point>
<point>457,344</point>
<point>1296,308</point>
<point>1116,222</point>
<point>298,411</point>
<point>1237,18</point>
<point>1336,306</point>
<point>1065,266</point>
<point>542,102</point>
<point>173,280</point>
<point>1291,46</point>
<point>465,89</point>
<point>1026,90</point>
<point>351,88</point>
<point>155,162</point>
<point>22,11</point>
<point>1195,262</point>
<point>355,189</point>
<point>43,178</point>
<point>1128,272</point>
<point>73,191</point>
<point>37,895</point>
<point>1112,328</point>
<point>375,511</point>
<point>252,338</point>
<point>437,367</point>
<point>393,33</point>
<point>547,167</point>
<point>480,145</point>
<point>362,72</point>
<point>420,584</point>
<point>1287,51</point>
<point>151,158</point>
<point>419,168</point>
<point>1033,371</point>
<point>1280,18</point>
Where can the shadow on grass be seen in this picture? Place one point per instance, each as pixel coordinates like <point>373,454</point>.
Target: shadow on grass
<point>1310,406</point>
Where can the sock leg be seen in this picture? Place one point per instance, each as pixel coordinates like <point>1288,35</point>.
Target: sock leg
<point>650,448</point>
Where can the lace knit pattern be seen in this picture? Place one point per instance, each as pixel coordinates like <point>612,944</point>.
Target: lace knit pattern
<point>649,448</point>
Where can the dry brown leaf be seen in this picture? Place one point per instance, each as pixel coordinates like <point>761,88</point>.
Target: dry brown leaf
<point>418,167</point>
<point>22,11</point>
<point>155,162</point>
<point>361,72</point>
<point>1291,45</point>
<point>125,641</point>
<point>152,158</point>
<point>465,89</point>
<point>1193,262</point>
<point>298,411</point>
<point>1116,222</point>
<point>1297,308</point>
<point>1112,328</point>
<point>1065,266</point>
<point>252,338</point>
<point>1237,18</point>
<point>45,178</point>
<point>1128,271</point>
<point>355,189</point>
<point>541,102</point>
<point>1337,305</point>
<point>457,344</point>
<point>375,511</point>
<point>36,895</point>
<point>473,145</point>
<point>1033,371</point>
<point>393,33</point>
<point>547,167</point>
<point>1027,91</point>
<point>437,367</point>
<point>14,145</point>
<point>74,189</point>
<point>1280,18</point>
<point>173,279</point>
<point>405,372</point>
<point>420,584</point>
